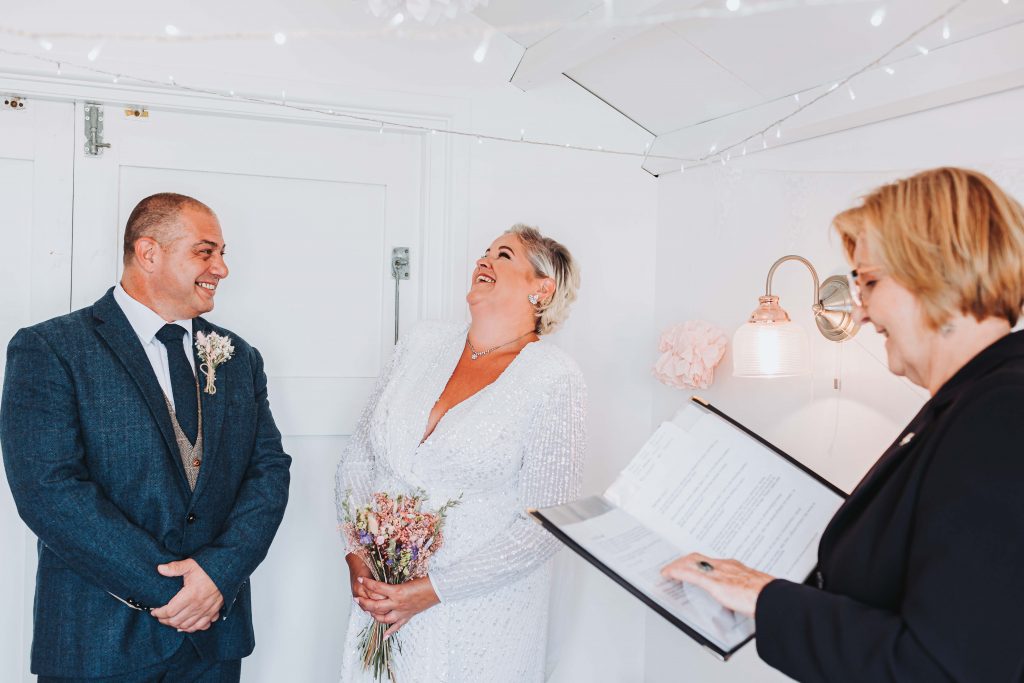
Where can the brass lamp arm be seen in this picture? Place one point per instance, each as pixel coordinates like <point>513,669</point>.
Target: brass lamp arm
<point>816,305</point>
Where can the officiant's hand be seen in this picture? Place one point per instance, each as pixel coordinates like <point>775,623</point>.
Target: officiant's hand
<point>731,583</point>
<point>197,605</point>
<point>357,569</point>
<point>401,602</point>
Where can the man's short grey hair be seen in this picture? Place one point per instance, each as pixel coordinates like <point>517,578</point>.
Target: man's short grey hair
<point>157,217</point>
<point>550,259</point>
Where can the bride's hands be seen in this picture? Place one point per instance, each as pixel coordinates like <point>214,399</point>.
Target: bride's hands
<point>401,602</point>
<point>357,569</point>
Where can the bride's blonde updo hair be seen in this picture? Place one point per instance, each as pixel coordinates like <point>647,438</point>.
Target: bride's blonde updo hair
<point>550,259</point>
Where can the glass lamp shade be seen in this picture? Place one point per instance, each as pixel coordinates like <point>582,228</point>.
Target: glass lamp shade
<point>769,344</point>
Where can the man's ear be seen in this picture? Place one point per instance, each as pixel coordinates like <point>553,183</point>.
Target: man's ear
<point>147,253</point>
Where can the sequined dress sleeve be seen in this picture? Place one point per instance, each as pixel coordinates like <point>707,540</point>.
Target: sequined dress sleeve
<point>550,475</point>
<point>353,479</point>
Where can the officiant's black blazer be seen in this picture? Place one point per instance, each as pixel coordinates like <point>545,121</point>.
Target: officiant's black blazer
<point>921,572</point>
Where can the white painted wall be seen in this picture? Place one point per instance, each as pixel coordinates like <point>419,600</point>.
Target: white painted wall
<point>603,210</point>
<point>720,229</point>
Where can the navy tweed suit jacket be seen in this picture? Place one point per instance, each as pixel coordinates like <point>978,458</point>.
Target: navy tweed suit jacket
<point>95,472</point>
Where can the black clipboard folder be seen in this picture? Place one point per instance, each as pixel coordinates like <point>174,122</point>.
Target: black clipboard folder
<point>720,648</point>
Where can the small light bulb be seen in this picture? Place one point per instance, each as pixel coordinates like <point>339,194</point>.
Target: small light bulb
<point>115,79</point>
<point>682,167</point>
<point>853,95</point>
<point>231,93</point>
<point>381,129</point>
<point>764,142</point>
<point>433,132</point>
<point>889,70</point>
<point>397,19</point>
<point>945,30</point>
<point>878,16</point>
<point>479,140</point>
<point>922,49</point>
<point>171,30</point>
<point>94,53</point>
<point>522,134</point>
<point>713,148</point>
<point>280,38</point>
<point>744,153</point>
<point>778,133</point>
<point>833,87</point>
<point>796,97</point>
<point>170,79</point>
<point>480,54</point>
<point>58,68</point>
<point>45,44</point>
<point>732,5</point>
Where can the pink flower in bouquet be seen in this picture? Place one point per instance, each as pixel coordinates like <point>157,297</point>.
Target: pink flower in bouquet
<point>690,351</point>
<point>396,540</point>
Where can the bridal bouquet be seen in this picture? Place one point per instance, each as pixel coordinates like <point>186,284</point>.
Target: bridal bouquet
<point>396,539</point>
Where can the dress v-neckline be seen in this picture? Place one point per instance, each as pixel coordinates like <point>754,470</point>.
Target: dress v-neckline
<point>469,398</point>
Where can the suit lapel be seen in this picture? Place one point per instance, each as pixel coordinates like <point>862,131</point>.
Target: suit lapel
<point>117,332</point>
<point>212,406</point>
<point>876,478</point>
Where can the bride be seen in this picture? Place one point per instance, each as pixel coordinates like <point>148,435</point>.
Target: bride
<point>492,413</point>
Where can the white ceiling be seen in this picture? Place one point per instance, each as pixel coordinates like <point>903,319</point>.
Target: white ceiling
<point>689,72</point>
<point>704,68</point>
<point>694,74</point>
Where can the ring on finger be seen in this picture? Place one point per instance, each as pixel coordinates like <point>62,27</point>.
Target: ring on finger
<point>705,567</point>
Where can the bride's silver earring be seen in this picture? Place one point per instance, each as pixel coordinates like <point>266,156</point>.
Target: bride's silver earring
<point>534,299</point>
<point>947,329</point>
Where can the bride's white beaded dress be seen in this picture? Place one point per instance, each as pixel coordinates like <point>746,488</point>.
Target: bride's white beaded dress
<point>516,444</point>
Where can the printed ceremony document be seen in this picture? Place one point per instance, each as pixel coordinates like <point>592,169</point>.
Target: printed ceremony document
<point>702,483</point>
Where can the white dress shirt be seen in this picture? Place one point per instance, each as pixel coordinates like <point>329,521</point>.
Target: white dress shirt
<point>146,323</point>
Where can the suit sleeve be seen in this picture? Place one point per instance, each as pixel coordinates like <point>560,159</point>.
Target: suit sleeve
<point>259,505</point>
<point>45,462</point>
<point>960,614</point>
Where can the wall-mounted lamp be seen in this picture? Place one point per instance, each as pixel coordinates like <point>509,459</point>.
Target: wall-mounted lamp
<point>771,345</point>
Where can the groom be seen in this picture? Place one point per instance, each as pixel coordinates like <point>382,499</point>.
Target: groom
<point>154,482</point>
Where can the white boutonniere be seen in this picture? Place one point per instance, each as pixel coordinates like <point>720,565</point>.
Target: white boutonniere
<point>213,350</point>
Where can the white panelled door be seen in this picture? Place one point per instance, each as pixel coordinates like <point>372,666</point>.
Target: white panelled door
<point>35,284</point>
<point>310,214</point>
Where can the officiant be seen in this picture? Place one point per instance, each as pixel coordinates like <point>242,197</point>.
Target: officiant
<point>919,571</point>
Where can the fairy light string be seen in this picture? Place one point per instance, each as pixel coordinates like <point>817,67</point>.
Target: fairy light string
<point>721,154</point>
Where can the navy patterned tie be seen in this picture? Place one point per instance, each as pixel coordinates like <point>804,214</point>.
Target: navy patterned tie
<point>183,380</point>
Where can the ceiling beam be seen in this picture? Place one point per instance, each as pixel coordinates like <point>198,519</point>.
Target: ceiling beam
<point>587,38</point>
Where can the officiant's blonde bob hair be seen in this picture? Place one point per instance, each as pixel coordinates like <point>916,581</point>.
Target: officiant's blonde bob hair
<point>950,236</point>
<point>550,259</point>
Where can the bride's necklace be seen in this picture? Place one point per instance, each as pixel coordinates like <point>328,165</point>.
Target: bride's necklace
<point>474,354</point>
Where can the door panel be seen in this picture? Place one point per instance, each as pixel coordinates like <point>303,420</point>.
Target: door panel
<point>309,213</point>
<point>36,160</point>
<point>300,254</point>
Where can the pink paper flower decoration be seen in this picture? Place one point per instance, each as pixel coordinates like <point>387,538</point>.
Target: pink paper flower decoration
<point>690,351</point>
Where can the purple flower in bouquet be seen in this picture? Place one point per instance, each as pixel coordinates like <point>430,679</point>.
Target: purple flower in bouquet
<point>396,539</point>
